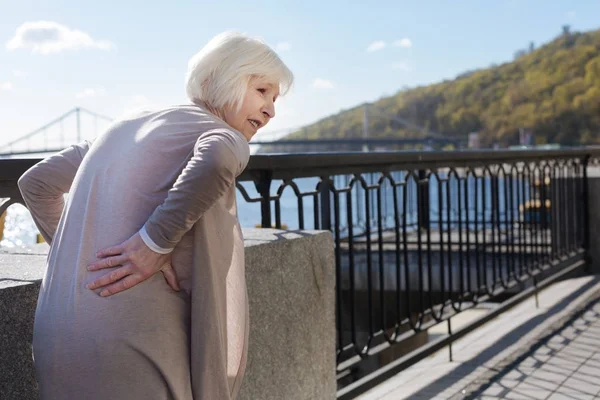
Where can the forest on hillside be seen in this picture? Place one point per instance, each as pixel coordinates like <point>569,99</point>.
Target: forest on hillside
<point>554,90</point>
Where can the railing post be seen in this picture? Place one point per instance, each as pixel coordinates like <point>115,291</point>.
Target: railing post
<point>495,206</point>
<point>325,202</point>
<point>263,187</point>
<point>586,216</point>
<point>423,200</point>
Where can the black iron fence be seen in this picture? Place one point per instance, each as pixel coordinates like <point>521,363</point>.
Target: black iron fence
<point>419,237</point>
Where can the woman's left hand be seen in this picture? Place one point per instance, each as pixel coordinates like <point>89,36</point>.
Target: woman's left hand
<point>137,263</point>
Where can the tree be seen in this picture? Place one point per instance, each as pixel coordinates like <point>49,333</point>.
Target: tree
<point>554,89</point>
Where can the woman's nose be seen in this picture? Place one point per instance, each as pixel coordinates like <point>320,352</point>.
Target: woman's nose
<point>269,110</point>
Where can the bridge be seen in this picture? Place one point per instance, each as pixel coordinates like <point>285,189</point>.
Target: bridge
<point>79,124</point>
<point>71,127</point>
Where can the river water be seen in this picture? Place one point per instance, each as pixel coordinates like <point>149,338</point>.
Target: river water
<point>20,229</point>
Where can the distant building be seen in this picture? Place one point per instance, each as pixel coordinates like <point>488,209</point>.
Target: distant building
<point>474,140</point>
<point>526,137</point>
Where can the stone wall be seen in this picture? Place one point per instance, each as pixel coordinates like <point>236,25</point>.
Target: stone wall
<point>291,288</point>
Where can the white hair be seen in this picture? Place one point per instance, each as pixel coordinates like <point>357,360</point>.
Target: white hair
<point>219,74</point>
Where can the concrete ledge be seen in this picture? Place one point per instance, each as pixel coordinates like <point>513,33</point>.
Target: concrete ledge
<point>20,273</point>
<point>291,288</point>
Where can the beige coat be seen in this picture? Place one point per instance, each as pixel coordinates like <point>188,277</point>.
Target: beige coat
<point>169,174</point>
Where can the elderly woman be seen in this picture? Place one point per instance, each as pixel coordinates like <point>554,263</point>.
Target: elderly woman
<point>155,192</point>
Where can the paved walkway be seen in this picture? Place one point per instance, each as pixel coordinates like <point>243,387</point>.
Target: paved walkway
<point>528,352</point>
<point>566,365</point>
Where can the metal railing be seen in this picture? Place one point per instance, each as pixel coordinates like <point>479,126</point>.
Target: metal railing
<point>419,237</point>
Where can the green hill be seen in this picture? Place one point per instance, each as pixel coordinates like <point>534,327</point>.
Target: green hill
<point>554,90</point>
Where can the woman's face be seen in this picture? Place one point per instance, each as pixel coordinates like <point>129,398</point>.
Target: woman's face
<point>258,107</point>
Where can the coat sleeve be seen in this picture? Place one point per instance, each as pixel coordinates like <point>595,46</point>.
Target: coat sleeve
<point>44,185</point>
<point>219,156</point>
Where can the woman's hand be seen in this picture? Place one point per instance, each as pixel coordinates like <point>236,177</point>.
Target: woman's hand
<point>137,263</point>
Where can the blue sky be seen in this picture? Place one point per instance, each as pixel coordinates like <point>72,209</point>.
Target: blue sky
<point>113,56</point>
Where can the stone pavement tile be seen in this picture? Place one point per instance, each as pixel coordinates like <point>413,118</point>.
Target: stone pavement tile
<point>536,393</point>
<point>533,362</point>
<point>556,345</point>
<point>542,358</point>
<point>580,385</point>
<point>567,357</point>
<point>586,377</point>
<point>592,363</point>
<point>590,347</point>
<point>562,395</point>
<point>583,344</point>
<point>564,375</point>
<point>585,341</point>
<point>519,374</point>
<point>582,325</point>
<point>518,395</point>
<point>569,333</point>
<point>579,352</point>
<point>533,384</point>
<point>587,335</point>
<point>549,376</point>
<point>496,389</point>
<point>543,350</point>
<point>508,383</point>
<point>565,364</point>
<point>576,352</point>
<point>516,374</point>
<point>585,321</point>
<point>594,328</point>
<point>590,315</point>
<point>556,348</point>
<point>537,382</point>
<point>576,394</point>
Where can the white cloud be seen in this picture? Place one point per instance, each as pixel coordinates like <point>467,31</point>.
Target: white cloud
<point>47,37</point>
<point>571,14</point>
<point>283,46</point>
<point>404,42</point>
<point>6,86</point>
<point>18,73</point>
<point>90,92</point>
<point>401,66</point>
<point>375,46</point>
<point>322,84</point>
